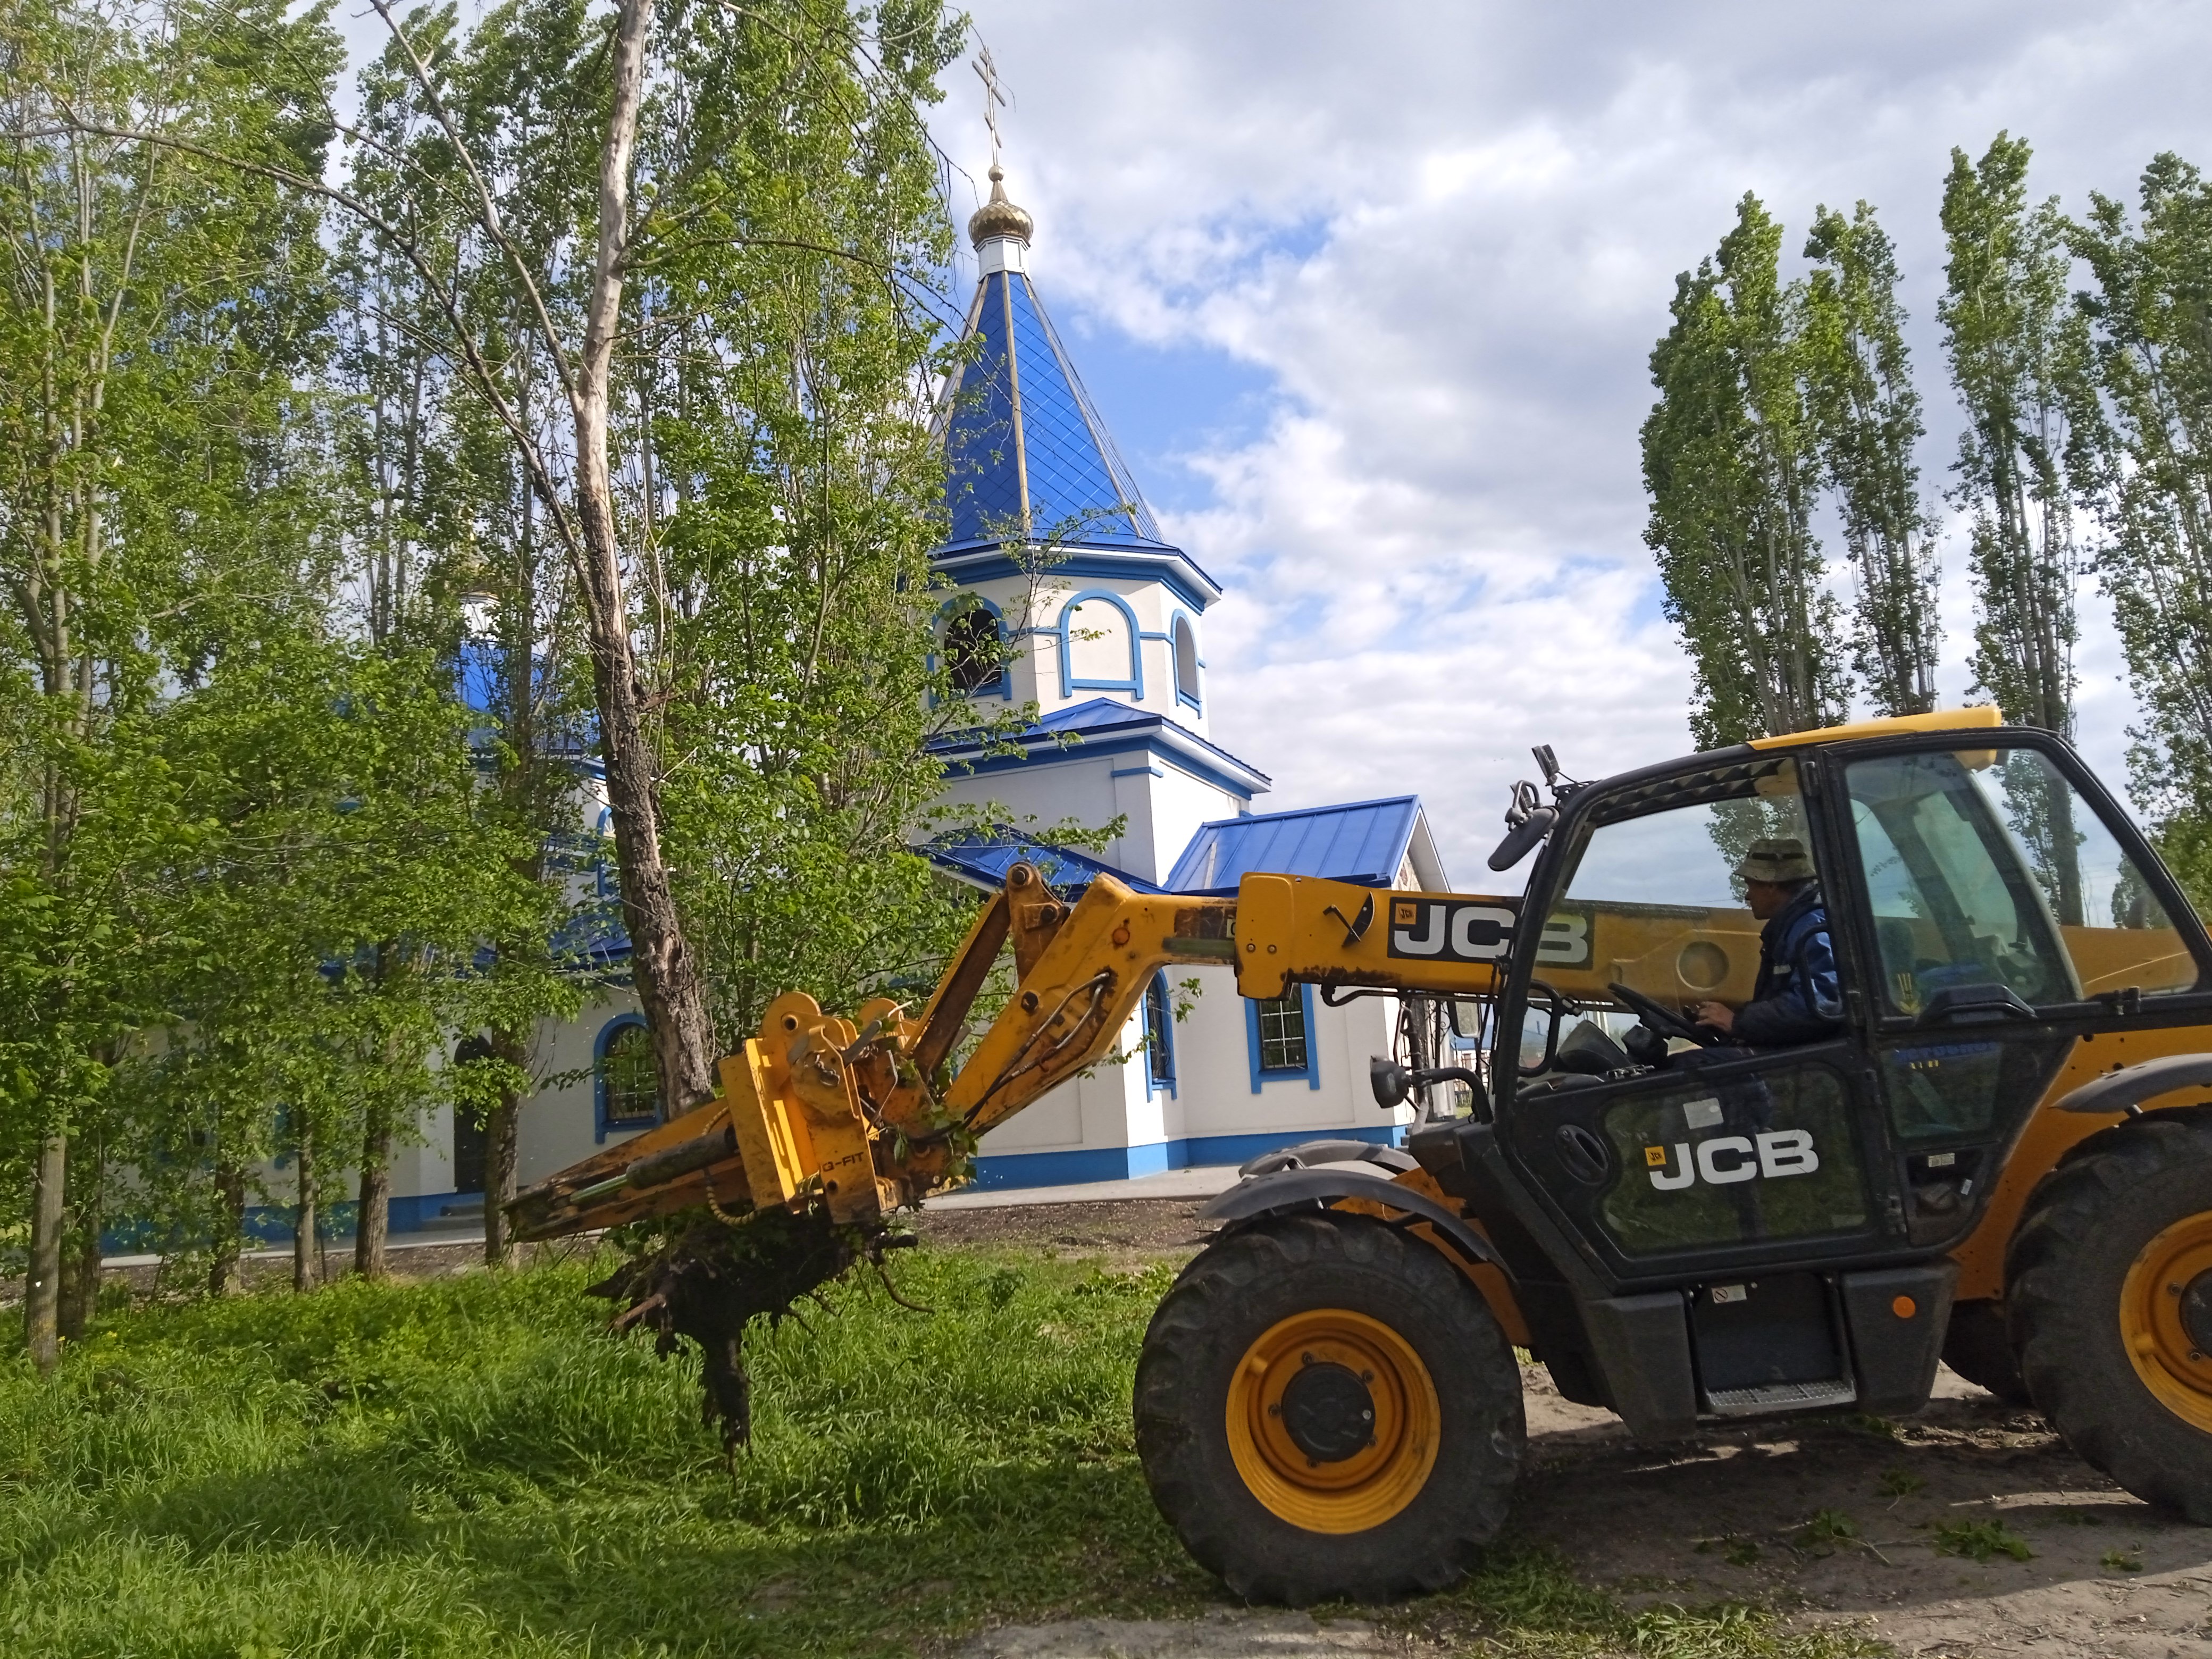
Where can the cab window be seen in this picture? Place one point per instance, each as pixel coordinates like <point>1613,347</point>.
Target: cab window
<point>1985,868</point>
<point>1652,899</point>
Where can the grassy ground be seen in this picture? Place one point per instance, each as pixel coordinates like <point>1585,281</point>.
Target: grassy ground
<point>471,1466</point>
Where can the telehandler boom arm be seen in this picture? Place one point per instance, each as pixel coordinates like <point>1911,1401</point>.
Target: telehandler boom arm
<point>861,1113</point>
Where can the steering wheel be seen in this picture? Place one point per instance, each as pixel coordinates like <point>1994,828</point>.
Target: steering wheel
<point>1662,1018</point>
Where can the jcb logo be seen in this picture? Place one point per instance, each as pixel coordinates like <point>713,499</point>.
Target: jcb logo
<point>1442,930</point>
<point>1726,1159</point>
<point>1455,932</point>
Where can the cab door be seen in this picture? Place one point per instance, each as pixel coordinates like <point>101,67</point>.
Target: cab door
<point>1712,1161</point>
<point>2002,910</point>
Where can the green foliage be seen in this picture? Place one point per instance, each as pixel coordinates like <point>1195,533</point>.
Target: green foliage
<point>1867,412</point>
<point>1901,1483</point>
<point>792,247</point>
<point>1827,1529</point>
<point>337,916</point>
<point>159,318</point>
<point>472,1467</point>
<point>1981,1540</point>
<point>245,865</point>
<point>777,488</point>
<point>2016,353</point>
<point>2143,455</point>
<point>1732,463</point>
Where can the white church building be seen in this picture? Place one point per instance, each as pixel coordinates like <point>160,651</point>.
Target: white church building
<point>1097,622</point>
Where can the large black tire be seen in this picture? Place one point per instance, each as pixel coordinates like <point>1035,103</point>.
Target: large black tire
<point>1979,1347</point>
<point>1323,1273</point>
<point>2082,1278</point>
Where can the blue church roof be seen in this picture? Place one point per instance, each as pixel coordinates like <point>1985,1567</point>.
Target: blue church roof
<point>1026,455</point>
<point>1364,841</point>
<point>985,858</point>
<point>1100,726</point>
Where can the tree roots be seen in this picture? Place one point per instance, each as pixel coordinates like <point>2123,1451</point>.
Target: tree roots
<point>710,1280</point>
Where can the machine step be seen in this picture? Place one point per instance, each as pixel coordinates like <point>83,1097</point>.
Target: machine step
<point>1782,1397</point>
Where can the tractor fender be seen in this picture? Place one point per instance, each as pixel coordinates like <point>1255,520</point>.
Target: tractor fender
<point>2130,1086</point>
<point>1288,1191</point>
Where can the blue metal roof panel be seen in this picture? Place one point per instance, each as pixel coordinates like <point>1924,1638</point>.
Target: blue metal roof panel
<point>1099,717</point>
<point>1362,841</point>
<point>986,859</point>
<point>1017,416</point>
<point>983,482</point>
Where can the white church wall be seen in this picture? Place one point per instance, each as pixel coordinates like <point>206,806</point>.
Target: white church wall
<point>1180,802</point>
<point>561,1123</point>
<point>1072,787</point>
<point>1109,1125</point>
<point>1214,1068</point>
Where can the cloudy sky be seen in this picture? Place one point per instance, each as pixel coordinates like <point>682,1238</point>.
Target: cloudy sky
<point>1366,295</point>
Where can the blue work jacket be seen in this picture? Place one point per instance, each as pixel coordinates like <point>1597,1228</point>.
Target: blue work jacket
<point>1797,998</point>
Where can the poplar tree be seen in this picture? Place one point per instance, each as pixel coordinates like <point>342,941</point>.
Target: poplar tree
<point>1732,462</point>
<point>1868,415</point>
<point>790,488</point>
<point>460,547</point>
<point>2011,341</point>
<point>155,312</point>
<point>2143,455</point>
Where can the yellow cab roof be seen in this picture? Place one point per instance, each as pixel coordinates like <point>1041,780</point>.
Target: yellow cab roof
<point>1980,718</point>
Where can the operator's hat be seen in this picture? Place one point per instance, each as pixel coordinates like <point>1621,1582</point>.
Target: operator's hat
<point>1778,861</point>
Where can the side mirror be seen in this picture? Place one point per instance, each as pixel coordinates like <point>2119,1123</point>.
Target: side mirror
<point>1523,837</point>
<point>1390,1081</point>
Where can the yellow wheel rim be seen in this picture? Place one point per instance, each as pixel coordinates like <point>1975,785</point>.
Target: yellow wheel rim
<point>2165,1316</point>
<point>1300,1398</point>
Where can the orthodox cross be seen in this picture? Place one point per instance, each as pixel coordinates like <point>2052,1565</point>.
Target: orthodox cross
<point>993,99</point>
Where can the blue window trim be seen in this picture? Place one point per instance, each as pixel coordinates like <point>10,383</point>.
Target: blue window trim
<point>1160,1067</point>
<point>1193,701</point>
<point>602,1125</point>
<point>1134,685</point>
<point>1312,1072</point>
<point>1004,688</point>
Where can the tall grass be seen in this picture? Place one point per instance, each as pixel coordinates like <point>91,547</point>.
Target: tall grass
<point>473,1466</point>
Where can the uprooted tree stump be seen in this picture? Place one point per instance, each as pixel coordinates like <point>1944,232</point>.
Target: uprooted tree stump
<point>708,1279</point>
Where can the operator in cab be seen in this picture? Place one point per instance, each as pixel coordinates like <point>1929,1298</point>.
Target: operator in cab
<point>1796,997</point>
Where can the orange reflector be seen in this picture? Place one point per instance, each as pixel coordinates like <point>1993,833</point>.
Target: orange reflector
<point>1905,1307</point>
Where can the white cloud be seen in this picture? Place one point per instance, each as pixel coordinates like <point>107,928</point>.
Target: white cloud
<point>1449,235</point>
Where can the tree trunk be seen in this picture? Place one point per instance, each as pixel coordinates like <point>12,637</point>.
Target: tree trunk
<point>224,1279</point>
<point>374,1221</point>
<point>303,1211</point>
<point>80,1291</point>
<point>503,1138</point>
<point>662,966</point>
<point>42,1288</point>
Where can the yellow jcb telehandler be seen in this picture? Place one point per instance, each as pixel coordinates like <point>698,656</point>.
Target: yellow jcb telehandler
<point>1997,1152</point>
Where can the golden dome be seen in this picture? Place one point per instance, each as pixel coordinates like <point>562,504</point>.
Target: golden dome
<point>999,216</point>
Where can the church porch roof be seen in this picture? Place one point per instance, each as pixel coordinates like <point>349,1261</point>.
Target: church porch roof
<point>1365,841</point>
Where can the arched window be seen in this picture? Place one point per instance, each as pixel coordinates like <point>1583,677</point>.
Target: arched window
<point>629,1092</point>
<point>975,652</point>
<point>1182,640</point>
<point>1098,646</point>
